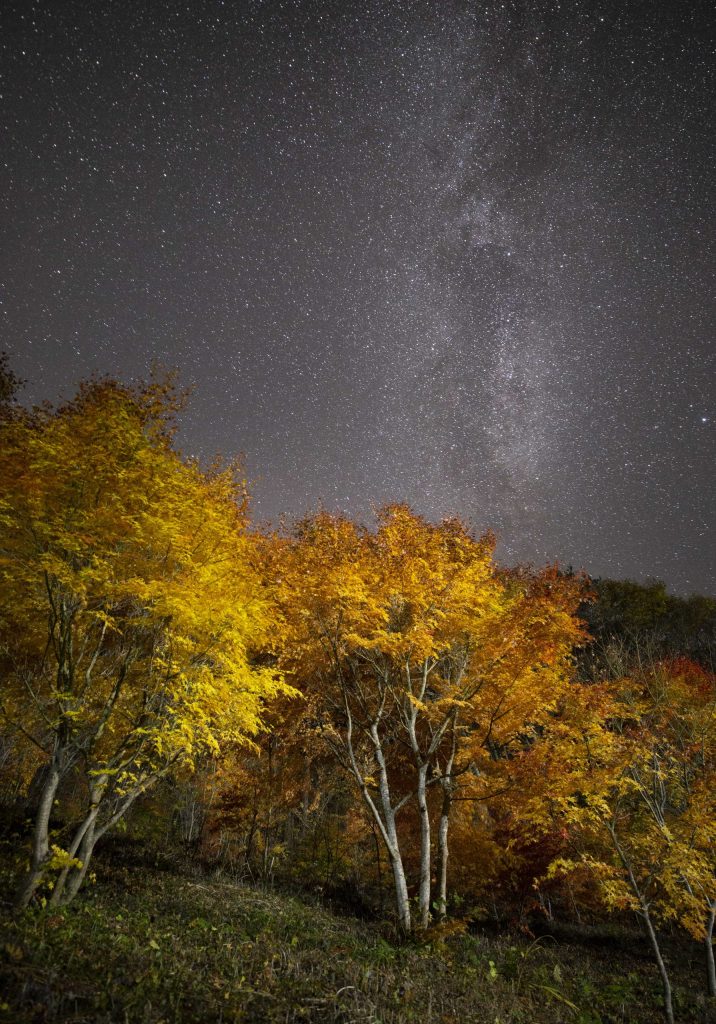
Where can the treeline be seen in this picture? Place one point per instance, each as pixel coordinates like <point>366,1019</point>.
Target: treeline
<point>387,711</point>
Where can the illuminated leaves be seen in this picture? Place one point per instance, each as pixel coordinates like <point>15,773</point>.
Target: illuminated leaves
<point>430,664</point>
<point>131,614</point>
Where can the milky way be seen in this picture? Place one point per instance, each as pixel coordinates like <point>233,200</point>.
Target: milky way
<point>450,253</point>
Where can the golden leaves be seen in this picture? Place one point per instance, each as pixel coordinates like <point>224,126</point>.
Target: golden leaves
<point>129,576</point>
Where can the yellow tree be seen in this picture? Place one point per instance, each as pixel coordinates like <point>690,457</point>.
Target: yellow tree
<point>130,611</point>
<point>632,784</point>
<point>417,646</point>
<point>674,784</point>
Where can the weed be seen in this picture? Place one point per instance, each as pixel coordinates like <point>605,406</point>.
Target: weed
<point>154,946</point>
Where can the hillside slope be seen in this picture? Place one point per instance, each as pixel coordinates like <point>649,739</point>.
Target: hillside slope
<point>162,947</point>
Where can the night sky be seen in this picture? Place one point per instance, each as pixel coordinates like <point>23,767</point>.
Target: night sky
<point>457,254</point>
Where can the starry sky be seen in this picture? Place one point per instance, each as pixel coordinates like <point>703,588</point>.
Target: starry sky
<point>454,253</point>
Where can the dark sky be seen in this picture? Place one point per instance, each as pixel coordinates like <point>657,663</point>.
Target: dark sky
<point>459,254</point>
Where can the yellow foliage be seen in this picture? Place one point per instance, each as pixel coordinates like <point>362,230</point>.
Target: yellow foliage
<point>131,610</point>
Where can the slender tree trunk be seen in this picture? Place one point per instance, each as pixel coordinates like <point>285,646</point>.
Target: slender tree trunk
<point>424,890</point>
<point>710,967</point>
<point>443,849</point>
<point>388,827</point>
<point>86,850</point>
<point>378,867</point>
<point>267,846</point>
<point>40,852</point>
<point>575,908</point>
<point>396,863</point>
<point>267,869</point>
<point>666,984</point>
<point>251,836</point>
<point>393,846</point>
<point>305,801</point>
<point>421,766</point>
<point>648,924</point>
<point>91,834</point>
<point>72,877</point>
<point>401,892</point>
<point>96,792</point>
<point>59,887</point>
<point>384,816</point>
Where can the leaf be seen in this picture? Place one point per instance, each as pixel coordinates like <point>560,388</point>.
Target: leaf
<point>558,995</point>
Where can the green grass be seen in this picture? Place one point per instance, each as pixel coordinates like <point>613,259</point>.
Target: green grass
<point>146,945</point>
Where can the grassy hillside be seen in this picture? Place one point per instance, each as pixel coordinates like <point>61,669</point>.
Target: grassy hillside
<point>162,946</point>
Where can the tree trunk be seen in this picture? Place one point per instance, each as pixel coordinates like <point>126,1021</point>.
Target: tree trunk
<point>666,984</point>
<point>384,816</point>
<point>388,827</point>
<point>378,867</point>
<point>424,890</point>
<point>443,855</point>
<point>710,967</point>
<point>40,853</point>
<point>96,792</point>
<point>401,892</point>
<point>443,849</point>
<point>86,850</point>
<point>646,917</point>
<point>390,832</point>
<point>251,836</point>
<point>90,834</point>
<point>59,887</point>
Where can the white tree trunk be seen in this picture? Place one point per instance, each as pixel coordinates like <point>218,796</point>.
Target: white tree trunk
<point>401,892</point>
<point>391,834</point>
<point>443,848</point>
<point>424,890</point>
<point>443,854</point>
<point>40,853</point>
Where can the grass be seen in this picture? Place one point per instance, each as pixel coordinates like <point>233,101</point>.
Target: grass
<point>150,946</point>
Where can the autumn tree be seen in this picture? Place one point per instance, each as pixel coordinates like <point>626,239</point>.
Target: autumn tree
<point>632,783</point>
<point>672,709</point>
<point>427,661</point>
<point>131,612</point>
<point>285,810</point>
<point>512,698</point>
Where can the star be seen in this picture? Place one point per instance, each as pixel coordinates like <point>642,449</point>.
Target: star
<point>448,254</point>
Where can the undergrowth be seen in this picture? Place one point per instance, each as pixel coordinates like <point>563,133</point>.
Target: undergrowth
<point>151,946</point>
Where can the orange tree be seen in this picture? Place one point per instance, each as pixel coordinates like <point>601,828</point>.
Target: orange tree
<point>425,662</point>
<point>286,809</point>
<point>130,612</point>
<point>513,702</point>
